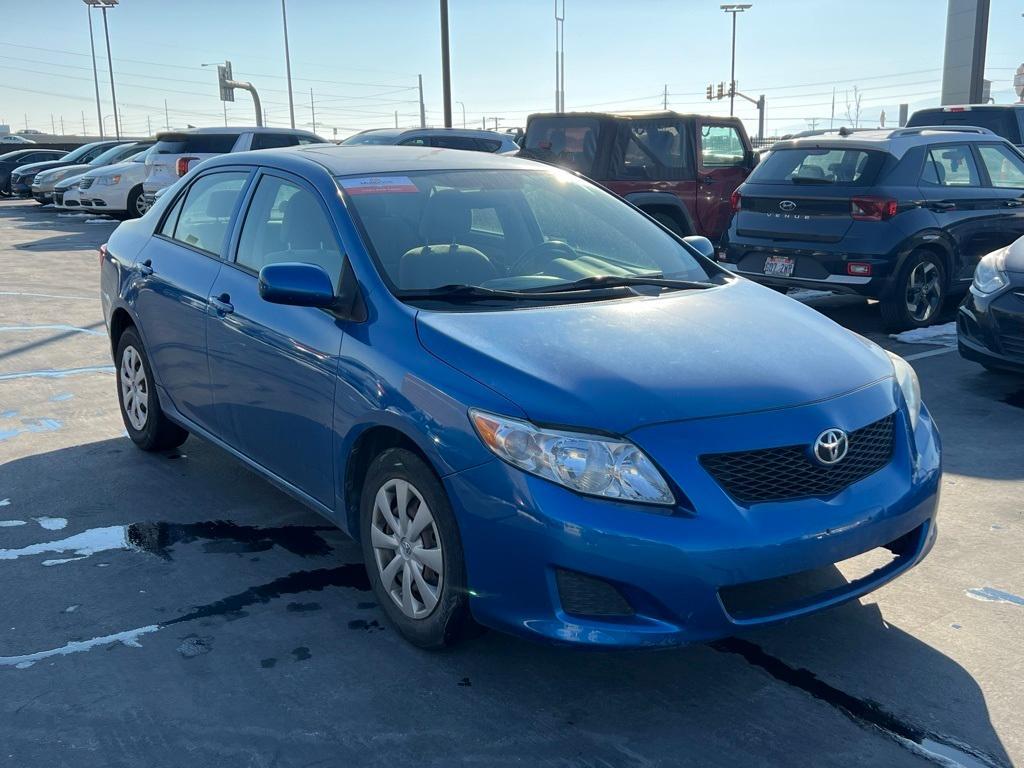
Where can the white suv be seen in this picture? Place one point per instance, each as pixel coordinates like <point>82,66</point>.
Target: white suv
<point>177,151</point>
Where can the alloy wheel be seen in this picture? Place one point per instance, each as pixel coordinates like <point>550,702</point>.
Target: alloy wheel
<point>924,291</point>
<point>140,205</point>
<point>134,388</point>
<point>407,548</point>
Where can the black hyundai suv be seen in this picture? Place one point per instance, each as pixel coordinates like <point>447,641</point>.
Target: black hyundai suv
<point>902,215</point>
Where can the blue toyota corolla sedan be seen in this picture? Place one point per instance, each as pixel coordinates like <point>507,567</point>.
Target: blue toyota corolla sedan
<point>531,404</point>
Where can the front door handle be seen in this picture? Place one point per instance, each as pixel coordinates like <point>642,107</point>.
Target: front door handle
<point>146,267</point>
<point>222,304</point>
<point>942,205</point>
<point>1013,203</point>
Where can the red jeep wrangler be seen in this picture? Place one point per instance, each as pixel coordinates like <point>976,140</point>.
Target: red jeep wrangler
<point>679,169</point>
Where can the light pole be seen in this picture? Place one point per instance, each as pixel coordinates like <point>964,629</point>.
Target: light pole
<point>559,57</point>
<point>446,69</point>
<point>461,104</point>
<point>733,8</point>
<point>103,5</point>
<point>288,65</point>
<point>95,74</point>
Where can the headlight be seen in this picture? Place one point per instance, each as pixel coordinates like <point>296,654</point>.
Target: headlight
<point>589,464</point>
<point>909,385</point>
<point>988,275</point>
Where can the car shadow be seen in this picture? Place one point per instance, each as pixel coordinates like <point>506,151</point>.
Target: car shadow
<point>839,688</point>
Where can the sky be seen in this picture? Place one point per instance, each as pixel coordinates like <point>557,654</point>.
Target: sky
<point>361,59</point>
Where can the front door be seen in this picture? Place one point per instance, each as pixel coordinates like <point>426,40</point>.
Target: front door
<point>274,367</point>
<point>721,167</point>
<point>177,269</point>
<point>1004,168</point>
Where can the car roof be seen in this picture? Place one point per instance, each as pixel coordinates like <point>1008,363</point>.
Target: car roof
<point>376,159</point>
<point>233,129</point>
<point>970,107</point>
<point>663,115</point>
<point>472,132</point>
<point>895,141</point>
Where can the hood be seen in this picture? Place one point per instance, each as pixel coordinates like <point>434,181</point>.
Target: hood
<point>104,170</point>
<point>70,169</point>
<point>45,165</point>
<point>619,365</point>
<point>1014,257</point>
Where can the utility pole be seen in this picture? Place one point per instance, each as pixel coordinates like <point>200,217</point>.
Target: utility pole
<point>496,119</point>
<point>62,126</point>
<point>832,117</point>
<point>149,126</point>
<point>95,72</point>
<point>83,122</point>
<point>734,9</point>
<point>396,118</point>
<point>423,111</point>
<point>225,105</point>
<point>104,4</point>
<point>167,117</point>
<point>483,123</point>
<point>312,108</point>
<point>664,100</point>
<point>559,58</point>
<point>446,70</point>
<point>53,126</point>
<point>288,65</point>
<point>463,105</point>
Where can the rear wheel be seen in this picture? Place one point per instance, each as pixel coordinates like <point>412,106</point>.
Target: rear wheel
<point>412,550</point>
<point>916,297</point>
<point>136,204</point>
<point>146,423</point>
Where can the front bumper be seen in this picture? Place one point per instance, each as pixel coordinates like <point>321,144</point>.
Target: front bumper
<point>21,186</point>
<point>990,329</point>
<point>520,533</point>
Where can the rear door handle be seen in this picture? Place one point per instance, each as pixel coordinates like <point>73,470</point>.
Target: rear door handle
<point>942,205</point>
<point>705,179</point>
<point>146,267</point>
<point>222,304</point>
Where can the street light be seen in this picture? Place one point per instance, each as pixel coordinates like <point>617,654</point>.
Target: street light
<point>288,64</point>
<point>95,73</point>
<point>103,5</point>
<point>463,113</point>
<point>733,8</point>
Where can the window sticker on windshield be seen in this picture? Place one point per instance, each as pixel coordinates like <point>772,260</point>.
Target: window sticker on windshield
<point>378,185</point>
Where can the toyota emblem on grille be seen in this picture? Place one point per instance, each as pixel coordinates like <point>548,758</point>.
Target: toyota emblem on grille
<point>787,205</point>
<point>831,447</point>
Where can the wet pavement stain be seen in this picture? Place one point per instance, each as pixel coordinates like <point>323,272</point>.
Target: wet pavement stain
<point>268,663</point>
<point>302,607</point>
<point>194,645</point>
<point>369,626</point>
<point>301,653</point>
<point>943,750</point>
<point>226,537</point>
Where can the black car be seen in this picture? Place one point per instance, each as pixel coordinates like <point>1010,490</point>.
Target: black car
<point>1006,120</point>
<point>11,160</point>
<point>990,323</point>
<point>22,176</point>
<point>903,216</point>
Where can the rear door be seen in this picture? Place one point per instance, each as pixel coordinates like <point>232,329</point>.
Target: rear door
<point>177,270</point>
<point>954,188</point>
<point>721,167</point>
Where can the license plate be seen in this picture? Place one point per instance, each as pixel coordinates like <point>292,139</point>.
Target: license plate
<point>779,266</point>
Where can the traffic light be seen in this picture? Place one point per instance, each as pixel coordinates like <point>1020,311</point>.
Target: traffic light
<point>710,95</point>
<point>227,93</point>
<point>721,90</point>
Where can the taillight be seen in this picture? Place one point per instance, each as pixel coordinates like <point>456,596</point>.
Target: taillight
<point>182,164</point>
<point>872,208</point>
<point>103,253</point>
<point>734,200</point>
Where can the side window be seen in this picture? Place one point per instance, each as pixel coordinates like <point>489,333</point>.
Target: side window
<point>1005,167</point>
<point>950,165</point>
<point>656,151</point>
<point>274,140</point>
<point>286,222</point>
<point>92,154</point>
<point>308,140</point>
<point>171,221</point>
<point>206,211</point>
<point>488,145</point>
<point>416,141</point>
<point>455,142</point>
<point>720,146</point>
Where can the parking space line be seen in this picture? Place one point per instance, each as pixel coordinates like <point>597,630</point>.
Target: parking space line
<point>47,296</point>
<point>56,373</point>
<point>930,353</point>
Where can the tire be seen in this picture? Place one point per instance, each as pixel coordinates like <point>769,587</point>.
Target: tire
<point>428,626</point>
<point>916,297</point>
<point>147,425</point>
<point>669,222</point>
<point>136,207</point>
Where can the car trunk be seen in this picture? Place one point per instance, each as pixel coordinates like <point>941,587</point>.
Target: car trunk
<point>817,213</point>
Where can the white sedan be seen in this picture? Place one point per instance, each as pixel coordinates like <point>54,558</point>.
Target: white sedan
<point>115,190</point>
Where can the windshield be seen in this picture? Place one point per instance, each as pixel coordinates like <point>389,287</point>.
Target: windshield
<point>84,151</point>
<point>370,138</point>
<point>566,141</point>
<point>834,166</point>
<point>498,230</point>
<point>114,154</point>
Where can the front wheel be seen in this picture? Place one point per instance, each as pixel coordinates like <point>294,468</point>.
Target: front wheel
<point>412,550</point>
<point>916,297</point>
<point>143,418</point>
<point>136,204</point>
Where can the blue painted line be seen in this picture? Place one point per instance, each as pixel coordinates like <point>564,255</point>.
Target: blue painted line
<point>47,296</point>
<point>995,595</point>
<point>60,397</point>
<point>39,425</point>
<point>53,373</point>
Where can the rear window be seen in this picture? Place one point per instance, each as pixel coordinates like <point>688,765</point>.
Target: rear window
<point>569,142</point>
<point>824,165</point>
<point>196,144</point>
<point>1002,122</point>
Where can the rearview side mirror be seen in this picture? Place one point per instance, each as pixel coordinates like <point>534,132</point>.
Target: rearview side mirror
<point>297,284</point>
<point>700,244</point>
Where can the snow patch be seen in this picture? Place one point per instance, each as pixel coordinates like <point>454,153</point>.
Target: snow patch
<point>807,294</point>
<point>11,523</point>
<point>81,544</point>
<point>128,637</point>
<point>944,335</point>
<point>52,523</point>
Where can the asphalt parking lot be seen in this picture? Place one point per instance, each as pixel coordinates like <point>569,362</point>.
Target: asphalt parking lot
<point>171,610</point>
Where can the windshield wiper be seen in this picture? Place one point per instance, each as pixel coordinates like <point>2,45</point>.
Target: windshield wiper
<point>620,281</point>
<point>464,292</point>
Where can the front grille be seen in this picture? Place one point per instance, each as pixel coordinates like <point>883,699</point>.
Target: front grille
<point>587,596</point>
<point>85,183</point>
<point>58,198</point>
<point>776,474</point>
<point>1012,344</point>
